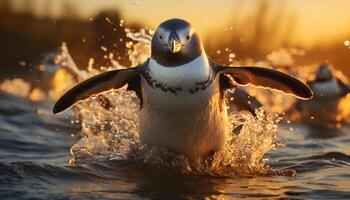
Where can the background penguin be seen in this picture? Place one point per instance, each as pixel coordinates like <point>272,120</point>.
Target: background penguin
<point>327,84</point>
<point>182,92</point>
<point>329,90</point>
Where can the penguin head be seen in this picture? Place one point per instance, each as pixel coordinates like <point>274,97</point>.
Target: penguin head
<point>175,43</point>
<point>324,73</point>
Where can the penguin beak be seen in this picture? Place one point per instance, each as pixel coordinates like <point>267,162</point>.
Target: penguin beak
<point>174,43</point>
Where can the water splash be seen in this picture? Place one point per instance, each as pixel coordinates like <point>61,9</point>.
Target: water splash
<point>11,86</point>
<point>140,49</point>
<point>113,133</point>
<point>284,57</point>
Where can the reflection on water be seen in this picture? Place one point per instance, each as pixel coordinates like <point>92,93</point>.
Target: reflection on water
<point>160,184</point>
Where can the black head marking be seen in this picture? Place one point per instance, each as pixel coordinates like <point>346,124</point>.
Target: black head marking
<point>324,73</point>
<point>175,43</point>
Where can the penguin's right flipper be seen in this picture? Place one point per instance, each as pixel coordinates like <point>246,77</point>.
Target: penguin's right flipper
<point>103,82</point>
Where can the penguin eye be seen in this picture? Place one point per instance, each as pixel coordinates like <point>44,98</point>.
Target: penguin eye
<point>160,37</point>
<point>188,37</point>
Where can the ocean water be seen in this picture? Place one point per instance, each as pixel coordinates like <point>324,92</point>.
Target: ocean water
<point>92,151</point>
<point>35,154</point>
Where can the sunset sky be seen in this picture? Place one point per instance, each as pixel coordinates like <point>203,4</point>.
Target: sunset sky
<point>317,22</point>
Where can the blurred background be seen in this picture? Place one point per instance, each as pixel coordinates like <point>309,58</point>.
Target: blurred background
<point>314,31</point>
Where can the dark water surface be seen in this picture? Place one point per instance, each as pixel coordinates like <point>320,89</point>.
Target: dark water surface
<point>34,164</point>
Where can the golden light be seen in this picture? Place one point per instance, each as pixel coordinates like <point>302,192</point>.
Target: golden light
<point>16,87</point>
<point>37,95</point>
<point>346,42</point>
<point>61,82</point>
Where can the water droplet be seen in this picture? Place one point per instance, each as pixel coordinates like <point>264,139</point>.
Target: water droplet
<point>22,63</point>
<point>121,23</point>
<point>312,117</point>
<point>231,56</point>
<point>338,125</point>
<point>347,42</point>
<point>339,118</point>
<point>103,48</point>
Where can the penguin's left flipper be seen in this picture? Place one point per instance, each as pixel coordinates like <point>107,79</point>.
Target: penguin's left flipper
<point>267,78</point>
<point>103,82</point>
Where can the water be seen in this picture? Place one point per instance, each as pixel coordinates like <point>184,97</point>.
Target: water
<point>92,151</point>
<point>35,151</point>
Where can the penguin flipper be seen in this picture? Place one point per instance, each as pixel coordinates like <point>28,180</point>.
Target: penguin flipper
<point>103,82</point>
<point>344,87</point>
<point>267,78</point>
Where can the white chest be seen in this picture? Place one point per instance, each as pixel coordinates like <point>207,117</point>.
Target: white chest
<point>183,76</point>
<point>174,87</point>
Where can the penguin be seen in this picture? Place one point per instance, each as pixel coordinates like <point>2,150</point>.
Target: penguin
<point>326,84</point>
<point>181,91</point>
<point>328,91</point>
